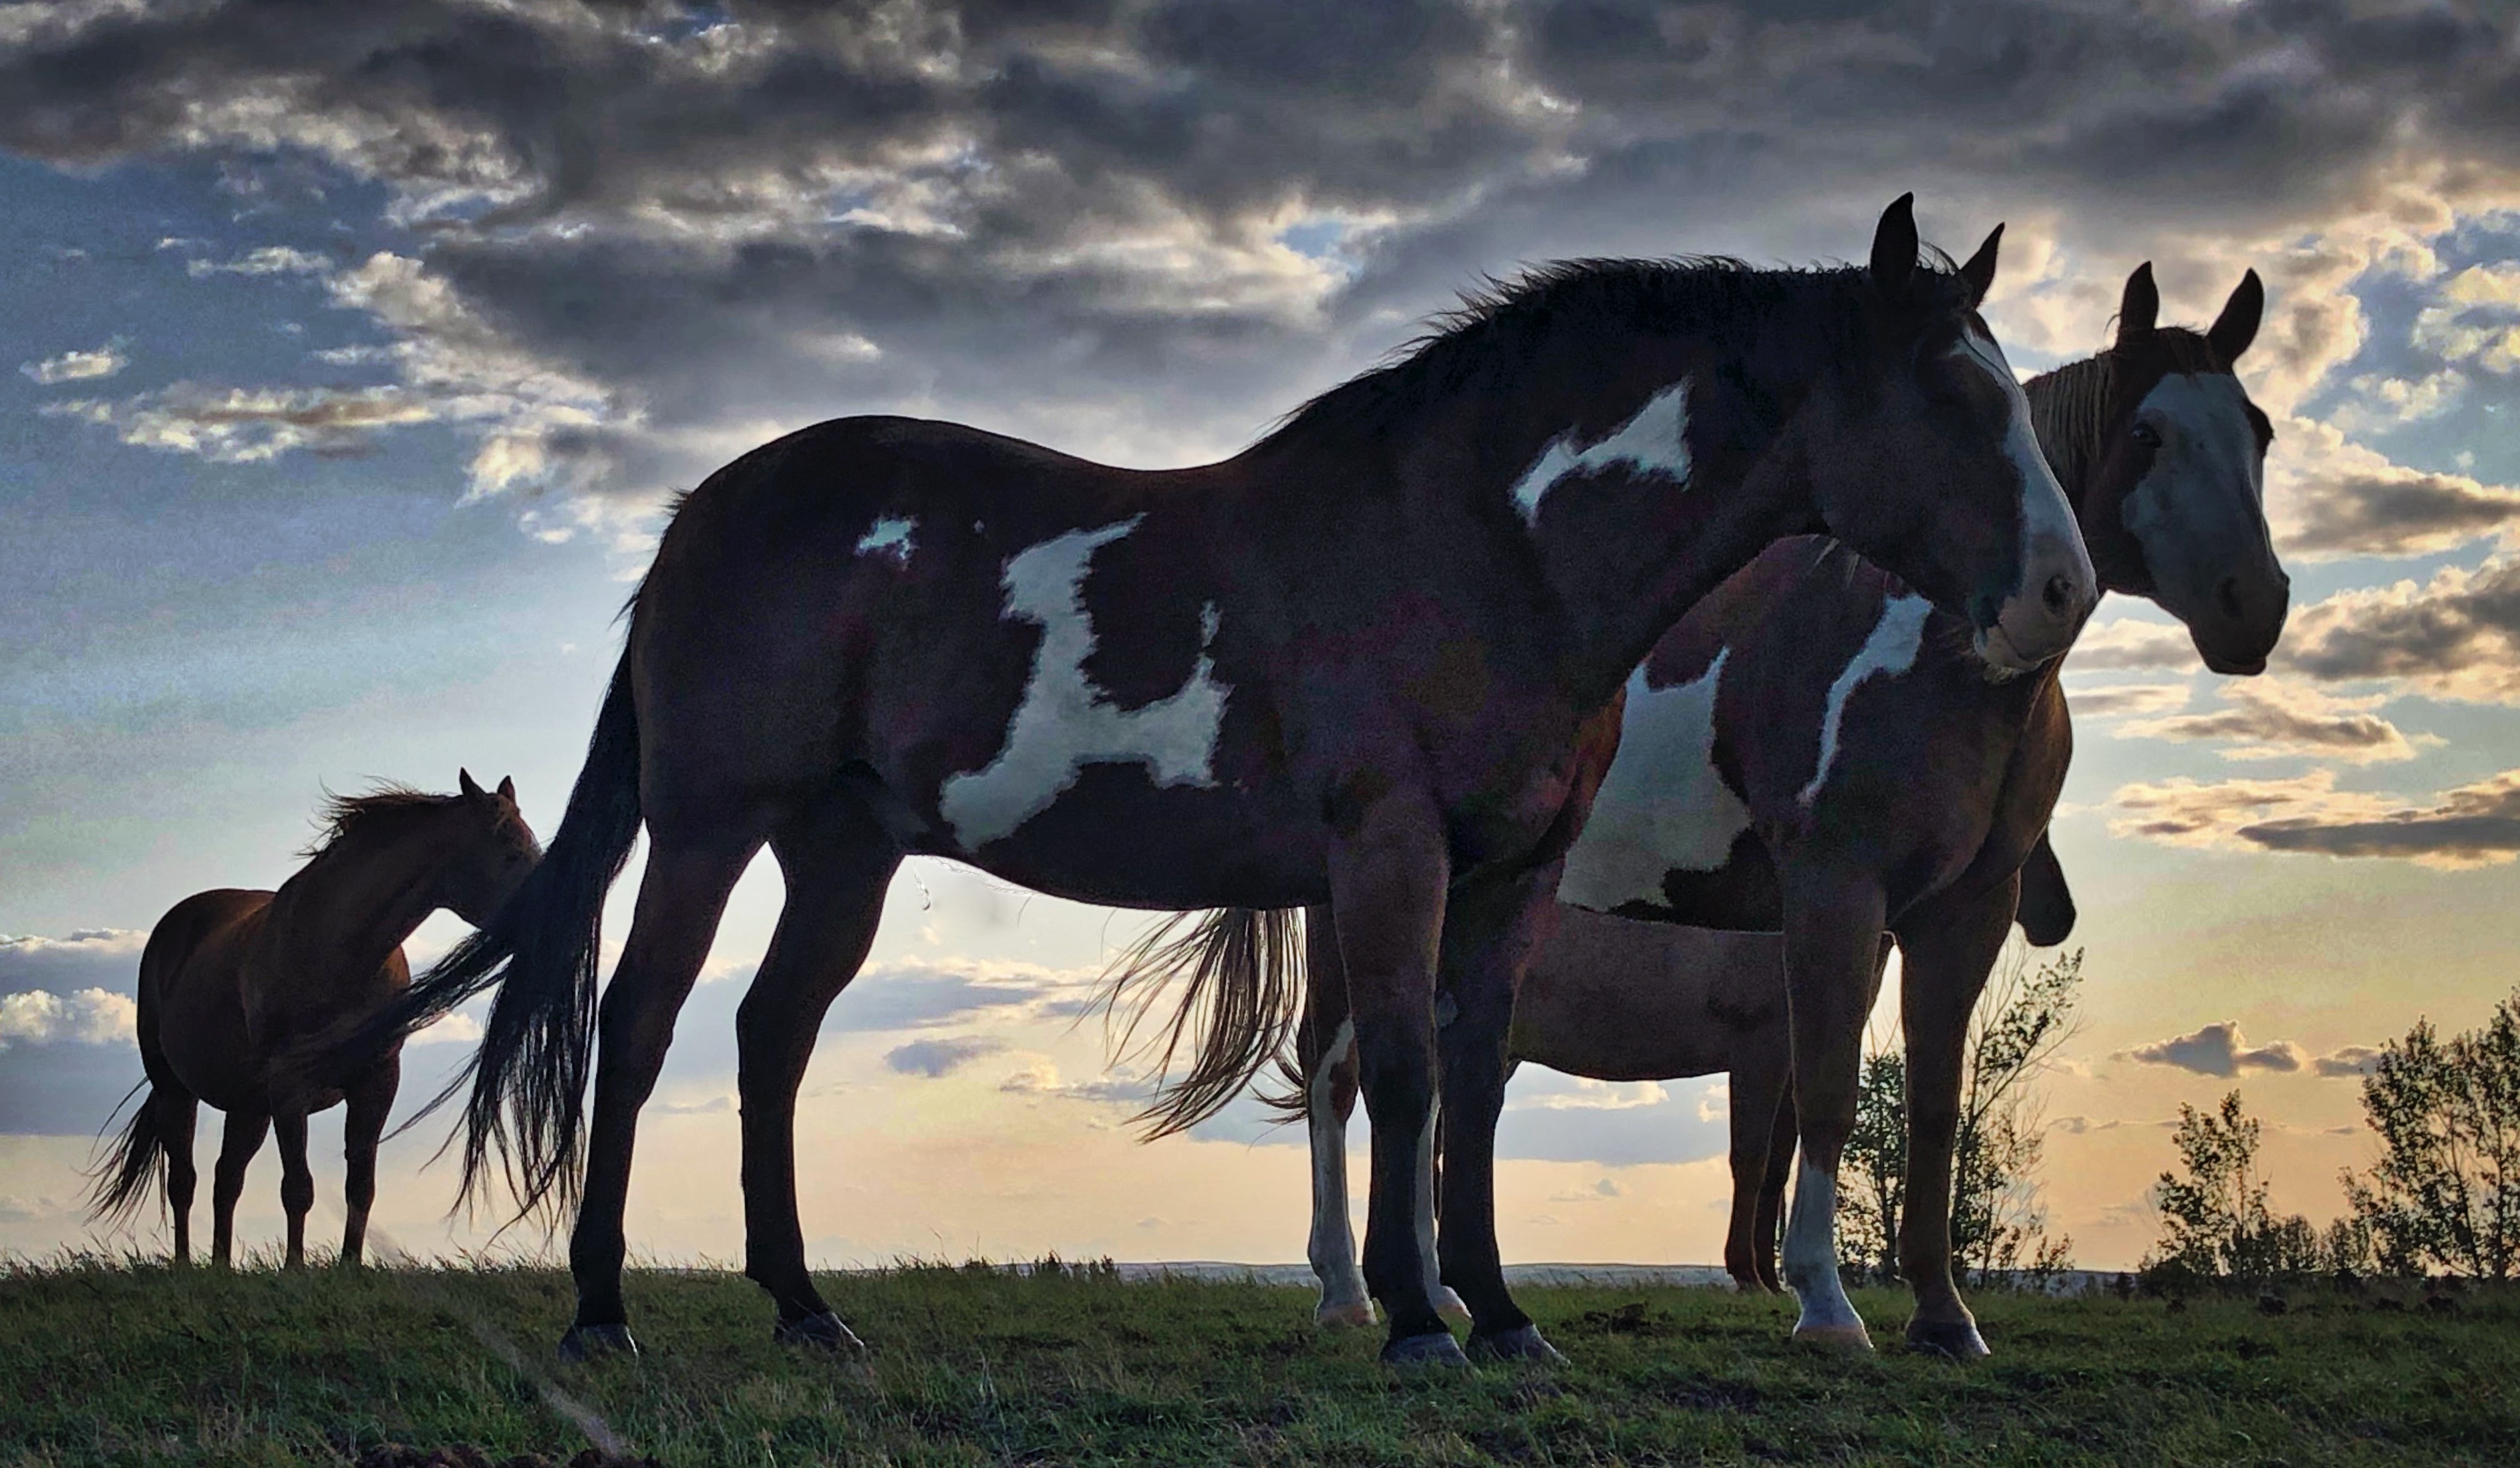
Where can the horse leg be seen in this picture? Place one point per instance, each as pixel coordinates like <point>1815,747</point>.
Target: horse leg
<point>1832,943</point>
<point>370,1102</point>
<point>1949,951</point>
<point>1490,936</point>
<point>837,863</point>
<point>1772,1190</point>
<point>1325,1057</point>
<point>1758,1084</point>
<point>682,894</point>
<point>176,1110</point>
<point>241,1140</point>
<point>1387,892</point>
<point>297,1179</point>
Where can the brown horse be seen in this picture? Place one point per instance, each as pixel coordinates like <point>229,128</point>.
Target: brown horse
<point>1813,748</point>
<point>233,981</point>
<point>1360,662</point>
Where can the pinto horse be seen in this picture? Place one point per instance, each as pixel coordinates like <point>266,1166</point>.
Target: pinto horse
<point>232,982</point>
<point>1812,749</point>
<point>1356,662</point>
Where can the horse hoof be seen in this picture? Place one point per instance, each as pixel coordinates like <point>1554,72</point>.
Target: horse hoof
<point>1524,1343</point>
<point>1450,1305</point>
<point>1956,1339</point>
<point>1434,1349</point>
<point>823,1331</point>
<point>1852,1339</point>
<point>586,1342</point>
<point>1340,1317</point>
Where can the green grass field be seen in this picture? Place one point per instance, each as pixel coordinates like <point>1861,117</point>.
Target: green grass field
<point>108,1364</point>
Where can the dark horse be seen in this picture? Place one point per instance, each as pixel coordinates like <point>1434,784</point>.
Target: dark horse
<point>1813,749</point>
<point>232,982</point>
<point>1356,662</point>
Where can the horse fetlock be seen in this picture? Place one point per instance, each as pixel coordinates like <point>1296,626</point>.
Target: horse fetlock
<point>1522,1343</point>
<point>822,1331</point>
<point>1957,1339</point>
<point>587,1342</point>
<point>1344,1314</point>
<point>1835,1337</point>
<point>1449,1305</point>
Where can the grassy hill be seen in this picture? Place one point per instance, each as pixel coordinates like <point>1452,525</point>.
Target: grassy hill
<point>107,1364</point>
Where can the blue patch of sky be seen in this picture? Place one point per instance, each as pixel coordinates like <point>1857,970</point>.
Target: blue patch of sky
<point>1325,239</point>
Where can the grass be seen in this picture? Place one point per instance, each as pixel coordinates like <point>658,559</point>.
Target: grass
<point>101,1363</point>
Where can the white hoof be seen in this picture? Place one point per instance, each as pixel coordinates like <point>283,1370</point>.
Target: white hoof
<point>1852,1339</point>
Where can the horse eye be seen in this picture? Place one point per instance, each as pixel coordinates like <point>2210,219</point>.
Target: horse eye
<point>2147,435</point>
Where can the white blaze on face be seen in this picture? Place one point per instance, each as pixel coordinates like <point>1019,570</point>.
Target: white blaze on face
<point>2205,488</point>
<point>1654,441</point>
<point>1808,1260</point>
<point>2045,514</point>
<point>890,536</point>
<point>1333,1249</point>
<point>1890,650</point>
<point>1064,722</point>
<point>1663,805</point>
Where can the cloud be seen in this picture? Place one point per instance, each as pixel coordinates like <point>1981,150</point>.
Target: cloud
<point>87,957</point>
<point>936,1058</point>
<point>2219,1050</point>
<point>2352,1060</point>
<point>2269,718</point>
<point>1115,1088</point>
<point>89,1017</point>
<point>927,993</point>
<point>1584,1094</point>
<point>253,425</point>
<point>2126,700</point>
<point>2125,643</point>
<point>2333,498</point>
<point>2468,826</point>
<point>2456,637</point>
<point>453,1029</point>
<point>270,260</point>
<point>79,366</point>
<point>2476,318</point>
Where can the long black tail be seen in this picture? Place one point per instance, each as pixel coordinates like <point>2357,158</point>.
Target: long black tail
<point>136,1160</point>
<point>1245,991</point>
<point>528,1078</point>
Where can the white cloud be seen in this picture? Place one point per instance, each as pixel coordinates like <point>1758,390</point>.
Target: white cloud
<point>270,260</point>
<point>455,1029</point>
<point>2476,317</point>
<point>79,366</point>
<point>2267,718</point>
<point>2219,1050</point>
<point>90,1016</point>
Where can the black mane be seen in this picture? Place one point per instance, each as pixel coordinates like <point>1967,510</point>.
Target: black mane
<point>346,815</point>
<point>1502,326</point>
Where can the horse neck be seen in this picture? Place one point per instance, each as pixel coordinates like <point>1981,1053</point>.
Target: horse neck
<point>2071,410</point>
<point>347,910</point>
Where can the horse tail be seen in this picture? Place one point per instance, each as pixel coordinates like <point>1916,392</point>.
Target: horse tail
<point>122,1181</point>
<point>1244,994</point>
<point>541,952</point>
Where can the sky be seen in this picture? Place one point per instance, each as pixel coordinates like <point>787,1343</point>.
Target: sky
<point>348,354</point>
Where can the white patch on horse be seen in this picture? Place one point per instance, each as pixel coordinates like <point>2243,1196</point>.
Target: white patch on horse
<point>1653,442</point>
<point>2046,513</point>
<point>1333,1248</point>
<point>2207,441</point>
<point>1435,1291</point>
<point>1663,805</point>
<point>1891,650</point>
<point>1064,722</point>
<point>1810,1254</point>
<point>891,536</point>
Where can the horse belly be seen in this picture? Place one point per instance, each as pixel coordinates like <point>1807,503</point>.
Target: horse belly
<point>1113,837</point>
<point>1614,998</point>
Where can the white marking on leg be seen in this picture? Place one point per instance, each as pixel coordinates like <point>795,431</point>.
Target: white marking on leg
<point>1809,1262</point>
<point>1890,650</point>
<point>1663,805</point>
<point>891,536</point>
<point>1653,442</point>
<point>1333,1248</point>
<point>1426,1205</point>
<point>1065,721</point>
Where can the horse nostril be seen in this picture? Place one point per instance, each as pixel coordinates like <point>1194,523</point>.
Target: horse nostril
<point>2226,596</point>
<point>2058,594</point>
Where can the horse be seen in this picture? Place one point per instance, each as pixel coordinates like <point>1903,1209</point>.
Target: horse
<point>1359,663</point>
<point>232,980</point>
<point>1812,749</point>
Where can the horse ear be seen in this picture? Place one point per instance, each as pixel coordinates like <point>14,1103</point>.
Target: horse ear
<point>1894,248</point>
<point>2237,326</point>
<point>2140,307</point>
<point>508,788</point>
<point>463,784</point>
<point>1979,273</point>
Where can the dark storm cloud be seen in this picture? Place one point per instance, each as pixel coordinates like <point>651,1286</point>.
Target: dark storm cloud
<point>2399,512</point>
<point>2470,826</point>
<point>1064,219</point>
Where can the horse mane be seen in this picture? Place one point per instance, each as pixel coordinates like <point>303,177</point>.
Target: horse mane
<point>1500,326</point>
<point>344,816</point>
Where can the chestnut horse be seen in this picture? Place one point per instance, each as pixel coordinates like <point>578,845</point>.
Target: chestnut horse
<point>1812,749</point>
<point>232,982</point>
<point>1357,663</point>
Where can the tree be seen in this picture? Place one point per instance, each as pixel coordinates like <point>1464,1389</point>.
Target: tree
<point>2446,1192</point>
<point>2214,1220</point>
<point>1996,1219</point>
<point>1998,1222</point>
